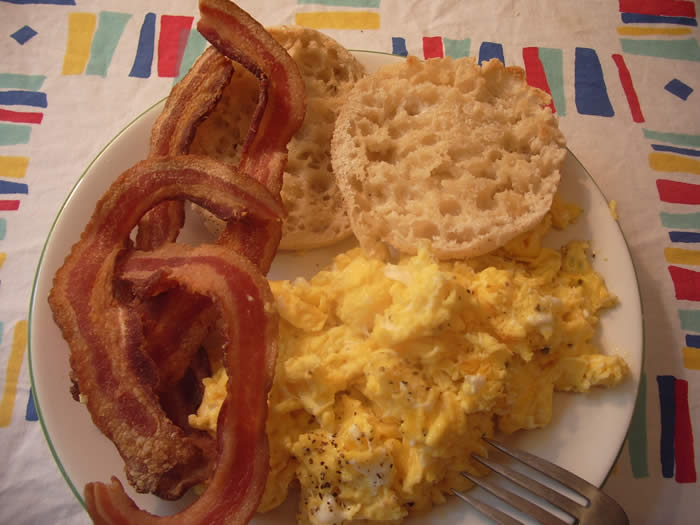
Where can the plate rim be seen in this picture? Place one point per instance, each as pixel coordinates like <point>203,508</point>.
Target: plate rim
<point>82,177</point>
<point>642,325</point>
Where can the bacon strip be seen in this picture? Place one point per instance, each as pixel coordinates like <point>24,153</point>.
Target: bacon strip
<point>245,300</point>
<point>279,114</point>
<point>105,337</point>
<point>190,101</point>
<point>123,375</point>
<point>281,105</point>
<point>175,324</point>
<point>255,239</point>
<point>160,225</point>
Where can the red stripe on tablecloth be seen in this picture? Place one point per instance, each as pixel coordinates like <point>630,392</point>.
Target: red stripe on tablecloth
<point>174,31</point>
<point>686,282</point>
<point>628,87</point>
<point>27,117</point>
<point>9,205</point>
<point>683,445</point>
<point>678,192</point>
<point>658,7</point>
<point>535,73</point>
<point>432,47</point>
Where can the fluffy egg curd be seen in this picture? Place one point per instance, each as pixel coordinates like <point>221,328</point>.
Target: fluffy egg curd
<point>388,375</point>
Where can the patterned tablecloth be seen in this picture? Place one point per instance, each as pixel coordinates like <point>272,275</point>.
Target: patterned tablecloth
<point>624,77</point>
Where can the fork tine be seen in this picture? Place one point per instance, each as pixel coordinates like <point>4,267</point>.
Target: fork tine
<point>516,501</point>
<point>554,497</point>
<point>500,517</point>
<point>549,469</point>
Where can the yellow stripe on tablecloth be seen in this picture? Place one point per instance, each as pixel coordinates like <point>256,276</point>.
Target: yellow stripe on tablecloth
<point>338,20</point>
<point>3,256</point>
<point>81,28</point>
<point>670,162</point>
<point>691,358</point>
<point>682,256</point>
<point>14,167</point>
<point>638,31</point>
<point>14,364</point>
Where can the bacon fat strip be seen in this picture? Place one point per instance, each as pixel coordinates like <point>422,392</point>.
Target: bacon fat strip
<point>282,101</point>
<point>189,102</point>
<point>243,296</point>
<point>107,355</point>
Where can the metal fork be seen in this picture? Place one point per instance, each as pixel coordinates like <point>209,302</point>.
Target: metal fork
<point>600,508</point>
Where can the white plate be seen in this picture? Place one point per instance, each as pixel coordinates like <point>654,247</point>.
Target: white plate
<point>586,433</point>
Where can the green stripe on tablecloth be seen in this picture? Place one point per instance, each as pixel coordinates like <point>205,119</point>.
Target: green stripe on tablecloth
<point>553,63</point>
<point>25,82</point>
<point>11,134</point>
<point>109,32</point>
<point>637,437</point>
<point>457,48</point>
<point>690,320</point>
<point>679,139</point>
<point>686,49</point>
<point>682,221</point>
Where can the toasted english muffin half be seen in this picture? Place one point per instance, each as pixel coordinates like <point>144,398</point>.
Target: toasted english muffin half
<point>316,212</point>
<point>465,156</point>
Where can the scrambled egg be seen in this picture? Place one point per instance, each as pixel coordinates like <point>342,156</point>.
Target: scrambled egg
<point>612,206</point>
<point>389,374</point>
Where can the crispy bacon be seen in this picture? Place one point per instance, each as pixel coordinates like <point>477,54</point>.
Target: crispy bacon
<point>245,301</point>
<point>246,237</point>
<point>108,356</point>
<point>130,333</point>
<point>279,114</point>
<point>190,101</point>
<point>174,325</point>
<point>281,104</point>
